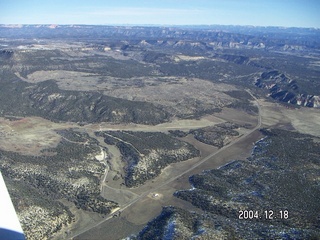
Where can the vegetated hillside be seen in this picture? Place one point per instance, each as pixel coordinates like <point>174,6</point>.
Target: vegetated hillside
<point>45,99</point>
<point>209,69</point>
<point>177,223</point>
<point>69,171</point>
<point>145,154</point>
<point>284,89</point>
<point>72,56</point>
<point>272,195</point>
<point>226,54</point>
<point>243,101</point>
<point>217,135</point>
<point>95,71</point>
<point>40,216</point>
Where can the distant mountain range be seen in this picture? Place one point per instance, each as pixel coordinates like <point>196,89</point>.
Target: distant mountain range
<point>238,49</point>
<point>239,36</point>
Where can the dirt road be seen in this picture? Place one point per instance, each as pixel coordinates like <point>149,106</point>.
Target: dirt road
<point>81,234</point>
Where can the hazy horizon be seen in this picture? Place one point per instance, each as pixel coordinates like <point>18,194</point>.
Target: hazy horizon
<point>294,13</point>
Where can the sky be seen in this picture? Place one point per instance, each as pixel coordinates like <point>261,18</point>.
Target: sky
<point>286,13</point>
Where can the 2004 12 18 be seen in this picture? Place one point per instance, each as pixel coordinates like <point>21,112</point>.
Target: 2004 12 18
<point>265,214</point>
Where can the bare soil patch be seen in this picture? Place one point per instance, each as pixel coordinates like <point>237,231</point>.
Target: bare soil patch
<point>29,136</point>
<point>304,120</point>
<point>155,195</point>
<point>271,113</point>
<point>181,124</point>
<point>148,207</point>
<point>116,228</point>
<point>237,116</point>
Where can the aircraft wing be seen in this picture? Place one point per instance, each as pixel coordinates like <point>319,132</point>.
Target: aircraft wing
<point>10,227</point>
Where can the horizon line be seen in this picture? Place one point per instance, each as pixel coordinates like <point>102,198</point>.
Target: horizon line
<point>151,25</point>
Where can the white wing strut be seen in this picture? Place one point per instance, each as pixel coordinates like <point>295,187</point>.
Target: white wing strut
<point>10,227</point>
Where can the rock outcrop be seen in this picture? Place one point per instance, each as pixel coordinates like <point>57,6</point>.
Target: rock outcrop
<point>285,89</point>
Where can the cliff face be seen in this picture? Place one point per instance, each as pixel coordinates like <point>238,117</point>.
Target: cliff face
<point>285,89</point>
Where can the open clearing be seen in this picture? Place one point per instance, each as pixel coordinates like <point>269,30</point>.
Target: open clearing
<point>30,135</point>
<point>180,95</point>
<point>135,215</point>
<point>304,120</point>
<point>33,134</point>
<point>169,179</point>
<point>181,124</point>
<point>173,177</point>
<point>188,78</point>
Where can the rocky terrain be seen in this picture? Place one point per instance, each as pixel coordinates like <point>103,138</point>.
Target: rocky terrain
<point>285,89</point>
<point>281,175</point>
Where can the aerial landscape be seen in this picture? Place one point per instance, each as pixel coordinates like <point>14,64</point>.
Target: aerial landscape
<point>161,131</point>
